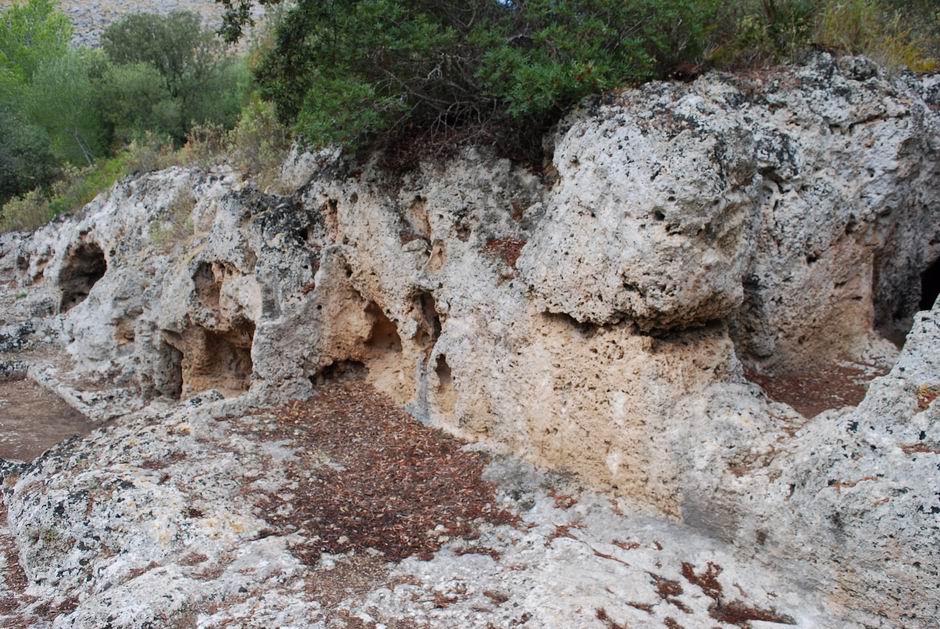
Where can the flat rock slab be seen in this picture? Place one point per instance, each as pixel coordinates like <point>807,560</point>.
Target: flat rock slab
<point>343,511</point>
<point>32,420</point>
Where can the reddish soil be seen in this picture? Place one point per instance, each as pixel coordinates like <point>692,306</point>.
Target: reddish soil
<point>393,484</point>
<point>32,420</point>
<point>506,249</point>
<point>818,389</point>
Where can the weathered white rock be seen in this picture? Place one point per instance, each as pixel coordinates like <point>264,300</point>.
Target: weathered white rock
<point>600,323</point>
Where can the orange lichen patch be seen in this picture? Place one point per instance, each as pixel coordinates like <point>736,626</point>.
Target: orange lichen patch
<point>737,613</point>
<point>919,448</point>
<point>668,590</point>
<point>707,580</point>
<point>478,550</point>
<point>840,485</point>
<point>562,501</point>
<point>395,485</point>
<point>193,559</point>
<point>925,396</point>
<point>506,249</point>
<point>598,553</point>
<point>561,530</point>
<point>645,607</point>
<point>498,598</point>
<point>442,600</point>
<point>626,545</point>
<point>752,460</point>
<point>159,464</point>
<point>671,623</point>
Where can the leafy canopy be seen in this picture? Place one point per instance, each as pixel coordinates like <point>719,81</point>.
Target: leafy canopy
<point>376,72</point>
<point>349,71</point>
<point>30,34</point>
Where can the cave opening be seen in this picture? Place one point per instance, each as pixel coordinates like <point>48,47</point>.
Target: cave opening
<point>445,397</point>
<point>930,285</point>
<point>383,336</point>
<point>430,320</point>
<point>84,266</point>
<point>217,359</point>
<point>339,370</point>
<point>171,359</point>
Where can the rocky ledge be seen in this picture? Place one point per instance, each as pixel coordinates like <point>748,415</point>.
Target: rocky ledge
<point>327,404</point>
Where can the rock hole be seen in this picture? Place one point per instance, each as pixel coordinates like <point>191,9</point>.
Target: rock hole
<point>445,397</point>
<point>218,359</point>
<point>383,337</point>
<point>431,325</point>
<point>208,279</point>
<point>84,266</point>
<point>417,217</point>
<point>930,285</point>
<point>898,299</point>
<point>171,363</point>
<point>339,370</point>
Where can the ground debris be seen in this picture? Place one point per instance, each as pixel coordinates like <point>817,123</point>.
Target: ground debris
<point>395,485</point>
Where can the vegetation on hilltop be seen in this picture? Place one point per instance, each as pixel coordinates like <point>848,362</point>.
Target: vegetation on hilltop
<point>73,119</point>
<point>410,77</point>
<point>393,73</point>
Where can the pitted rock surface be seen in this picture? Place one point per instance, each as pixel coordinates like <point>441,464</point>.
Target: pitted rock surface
<point>597,319</point>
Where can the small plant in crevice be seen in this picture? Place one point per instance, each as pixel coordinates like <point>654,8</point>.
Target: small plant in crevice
<point>176,225</point>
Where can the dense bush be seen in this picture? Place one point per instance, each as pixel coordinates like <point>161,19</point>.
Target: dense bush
<point>62,98</point>
<point>77,186</point>
<point>168,74</point>
<point>26,159</point>
<point>346,71</point>
<point>357,71</point>
<point>91,116</point>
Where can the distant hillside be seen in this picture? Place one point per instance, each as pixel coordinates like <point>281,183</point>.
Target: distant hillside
<point>91,17</point>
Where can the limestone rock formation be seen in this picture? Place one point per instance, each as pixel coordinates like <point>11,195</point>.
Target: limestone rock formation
<point>598,318</point>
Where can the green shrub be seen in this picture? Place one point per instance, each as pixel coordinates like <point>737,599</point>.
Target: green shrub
<point>62,99</point>
<point>134,100</point>
<point>170,73</point>
<point>897,38</point>
<point>25,213</point>
<point>761,32</point>
<point>26,159</point>
<point>31,34</point>
<point>350,71</point>
<point>76,187</point>
<point>376,72</point>
<point>259,143</point>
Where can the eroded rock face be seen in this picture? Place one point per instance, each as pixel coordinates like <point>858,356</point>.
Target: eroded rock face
<point>599,323</point>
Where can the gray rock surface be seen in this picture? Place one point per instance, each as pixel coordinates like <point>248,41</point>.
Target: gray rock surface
<point>598,319</point>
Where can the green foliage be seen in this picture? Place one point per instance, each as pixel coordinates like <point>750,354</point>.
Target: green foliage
<point>169,73</point>
<point>25,213</point>
<point>62,99</point>
<point>77,187</point>
<point>31,33</point>
<point>756,32</point>
<point>358,72</point>
<point>347,71</point>
<point>259,142</point>
<point>895,37</point>
<point>256,146</point>
<point>26,159</point>
<point>133,99</point>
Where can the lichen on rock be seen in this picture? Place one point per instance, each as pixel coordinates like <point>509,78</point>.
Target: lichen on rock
<point>599,318</point>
